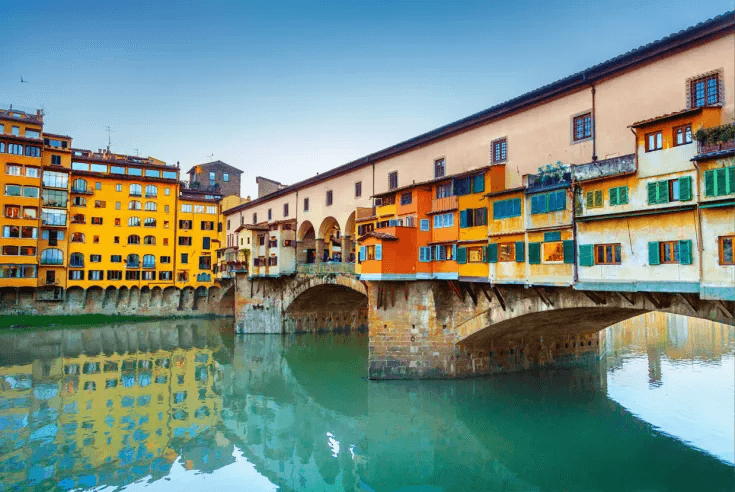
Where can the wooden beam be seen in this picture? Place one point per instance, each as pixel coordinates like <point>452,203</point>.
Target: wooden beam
<point>468,288</point>
<point>487,295</point>
<point>592,296</point>
<point>631,300</point>
<point>496,291</point>
<point>723,307</point>
<point>689,303</point>
<point>543,297</point>
<point>455,290</point>
<point>653,300</point>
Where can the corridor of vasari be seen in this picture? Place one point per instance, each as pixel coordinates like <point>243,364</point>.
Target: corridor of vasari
<point>406,246</point>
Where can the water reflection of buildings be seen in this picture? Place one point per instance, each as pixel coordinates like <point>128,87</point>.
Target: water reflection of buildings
<point>110,418</point>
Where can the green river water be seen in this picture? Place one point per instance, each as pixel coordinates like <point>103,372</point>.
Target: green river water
<point>186,405</point>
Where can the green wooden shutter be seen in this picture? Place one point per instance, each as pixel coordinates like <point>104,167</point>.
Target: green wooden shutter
<point>709,183</point>
<point>590,199</point>
<point>461,255</point>
<point>520,251</point>
<point>378,251</point>
<point>652,193</point>
<point>663,192</point>
<point>362,252</point>
<point>534,253</point>
<point>685,188</point>
<point>730,180</point>
<point>598,198</point>
<point>653,253</point>
<point>561,200</point>
<point>478,184</point>
<point>586,255</point>
<point>492,253</point>
<point>569,251</point>
<point>463,218</point>
<point>720,182</point>
<point>623,195</point>
<point>552,236</point>
<point>614,196</point>
<point>685,252</point>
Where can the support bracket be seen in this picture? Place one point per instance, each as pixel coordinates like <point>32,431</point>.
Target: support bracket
<point>631,299</point>
<point>653,300</point>
<point>496,291</point>
<point>690,302</point>
<point>487,295</point>
<point>468,288</point>
<point>592,296</point>
<point>724,309</point>
<point>545,299</point>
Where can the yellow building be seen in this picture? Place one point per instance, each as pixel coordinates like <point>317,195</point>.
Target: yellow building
<point>198,222</point>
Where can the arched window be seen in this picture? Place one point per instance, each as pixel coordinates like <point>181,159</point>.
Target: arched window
<point>134,222</point>
<point>79,201</point>
<point>76,260</point>
<point>77,237</point>
<point>151,206</point>
<point>149,222</point>
<point>79,185</point>
<point>132,261</point>
<point>52,256</point>
<point>133,239</point>
<point>149,261</point>
<point>134,205</point>
<point>135,190</point>
<point>151,190</point>
<point>149,240</point>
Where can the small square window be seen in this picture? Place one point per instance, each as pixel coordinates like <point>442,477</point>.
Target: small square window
<point>683,135</point>
<point>500,150</point>
<point>654,141</point>
<point>118,187</point>
<point>582,127</point>
<point>98,186</point>
<point>705,91</point>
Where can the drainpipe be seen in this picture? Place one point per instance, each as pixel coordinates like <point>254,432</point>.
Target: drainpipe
<point>700,246</point>
<point>594,125</point>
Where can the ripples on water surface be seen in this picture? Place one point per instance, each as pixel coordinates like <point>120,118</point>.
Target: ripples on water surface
<point>185,405</point>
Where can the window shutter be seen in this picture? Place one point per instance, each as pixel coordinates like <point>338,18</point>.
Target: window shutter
<point>362,253</point>
<point>598,198</point>
<point>534,253</point>
<point>586,255</point>
<point>421,254</point>
<point>653,253</point>
<point>461,255</point>
<point>492,253</point>
<point>614,200</point>
<point>483,215</point>
<point>685,188</point>
<point>685,252</point>
<point>496,210</point>
<point>709,183</point>
<point>454,252</point>
<point>569,251</point>
<point>590,199</point>
<point>378,251</point>
<point>730,180</point>
<point>520,251</point>
<point>534,204</point>
<point>663,192</point>
<point>478,185</point>
<point>561,200</point>
<point>544,203</point>
<point>486,253</point>
<point>652,193</point>
<point>463,218</point>
<point>516,208</point>
<point>720,182</point>
<point>623,195</point>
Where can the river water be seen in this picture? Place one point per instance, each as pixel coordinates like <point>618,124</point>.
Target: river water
<point>187,405</point>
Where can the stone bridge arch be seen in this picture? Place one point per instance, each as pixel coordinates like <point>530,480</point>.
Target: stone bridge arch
<point>325,303</point>
<point>304,284</point>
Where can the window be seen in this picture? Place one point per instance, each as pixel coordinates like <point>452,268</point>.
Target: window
<point>595,199</point>
<point>164,275</point>
<point>444,252</point>
<point>98,186</point>
<point>225,177</point>
<point>118,205</point>
<point>95,258</point>
<point>255,218</point>
<point>205,263</point>
<point>114,274</point>
<point>439,168</point>
<point>96,239</point>
<point>100,204</point>
<point>504,209</point>
<point>473,217</point>
<point>30,192</point>
<point>16,149</point>
<point>548,202</point>
<point>670,190</point>
<point>52,256</point>
<point>506,252</point>
<point>132,275</point>
<point>306,205</point>
<point>53,237</point>
<point>32,172</point>
<point>151,206</point>
<point>132,261</point>
<point>12,170</point>
<point>79,186</point>
<point>149,222</point>
<point>12,211</point>
<point>607,254</point>
<point>443,220</point>
<point>116,239</point>
<point>76,274</point>
<point>184,240</point>
<point>79,201</point>
<point>77,237</point>
<point>186,224</point>
<point>212,176</point>
<point>28,232</point>
<point>705,91</point>
<point>668,252</point>
<point>206,243</point>
<point>198,209</point>
<point>116,259</point>
<point>270,214</point>
<point>654,141</point>
<point>53,217</point>
<point>149,240</point>
<point>285,209</point>
<point>184,258</point>
<point>76,260</point>
<point>618,195</point>
<point>719,182</point>
<point>33,151</point>
<point>683,134</point>
<point>136,190</point>
<point>55,160</point>
<point>553,252</point>
<point>55,180</point>
<point>15,130</point>
<point>30,213</point>
<point>167,191</point>
<point>134,205</point>
<point>726,250</point>
<point>13,190</point>
<point>406,198</point>
<point>151,191</point>
<point>393,180</point>
<point>96,220</point>
<point>149,275</point>
<point>330,196</point>
<point>186,207</point>
<point>149,261</point>
<point>32,133</point>
<point>424,224</point>
<point>358,189</point>
<point>118,187</point>
<point>134,222</point>
<point>133,239</point>
<point>582,127</point>
<point>165,259</point>
<point>444,190</point>
<point>165,241</point>
<point>212,210</point>
<point>500,151</point>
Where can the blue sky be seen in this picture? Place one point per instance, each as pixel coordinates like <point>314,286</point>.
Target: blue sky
<point>289,89</point>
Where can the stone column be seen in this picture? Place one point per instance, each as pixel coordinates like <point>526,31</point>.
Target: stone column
<point>346,248</point>
<point>319,251</point>
<point>300,252</point>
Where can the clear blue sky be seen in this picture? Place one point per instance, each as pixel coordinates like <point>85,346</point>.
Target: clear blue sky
<point>288,89</point>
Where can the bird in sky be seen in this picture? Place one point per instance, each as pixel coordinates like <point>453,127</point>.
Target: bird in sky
<point>23,81</point>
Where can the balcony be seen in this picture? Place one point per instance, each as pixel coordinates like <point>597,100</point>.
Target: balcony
<point>623,164</point>
<point>716,139</point>
<point>82,191</point>
<point>444,204</point>
<point>326,268</point>
<point>362,213</point>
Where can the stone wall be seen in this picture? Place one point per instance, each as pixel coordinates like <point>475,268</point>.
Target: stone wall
<point>145,301</point>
